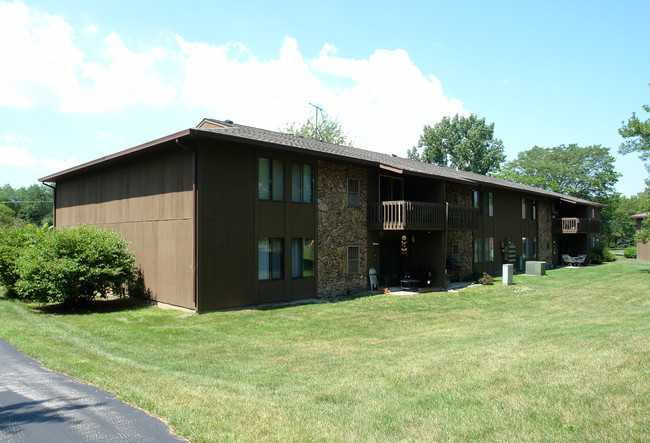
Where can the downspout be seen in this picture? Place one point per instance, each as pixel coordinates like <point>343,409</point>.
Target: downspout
<point>195,221</point>
<point>54,207</point>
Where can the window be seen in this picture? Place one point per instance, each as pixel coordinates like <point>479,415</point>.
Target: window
<point>524,208</point>
<point>533,210</point>
<point>478,250</point>
<point>488,250</point>
<point>455,198</point>
<point>353,260</point>
<point>548,250</point>
<point>489,204</point>
<point>391,188</point>
<point>302,257</point>
<point>302,183</point>
<point>270,181</point>
<point>533,248</point>
<point>592,213</point>
<point>484,201</point>
<point>455,252</point>
<point>353,192</point>
<point>270,259</point>
<point>483,249</point>
<point>524,247</point>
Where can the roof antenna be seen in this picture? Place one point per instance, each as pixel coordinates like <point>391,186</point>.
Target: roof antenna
<point>321,111</point>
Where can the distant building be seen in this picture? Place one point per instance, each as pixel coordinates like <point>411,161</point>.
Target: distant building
<point>225,215</point>
<point>642,249</point>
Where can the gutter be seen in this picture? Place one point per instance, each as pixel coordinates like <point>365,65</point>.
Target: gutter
<point>195,207</point>
<point>54,207</point>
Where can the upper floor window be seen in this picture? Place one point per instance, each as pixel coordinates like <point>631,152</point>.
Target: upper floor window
<point>592,213</point>
<point>524,208</point>
<point>302,183</point>
<point>484,201</point>
<point>270,180</point>
<point>353,192</point>
<point>455,199</point>
<point>533,210</point>
<point>391,188</point>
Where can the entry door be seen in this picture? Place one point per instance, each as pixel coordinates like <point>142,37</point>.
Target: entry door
<point>389,262</point>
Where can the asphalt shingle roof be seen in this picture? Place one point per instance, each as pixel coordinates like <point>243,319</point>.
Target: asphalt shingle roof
<point>356,154</point>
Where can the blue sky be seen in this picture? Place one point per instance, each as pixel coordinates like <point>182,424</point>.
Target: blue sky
<point>80,80</point>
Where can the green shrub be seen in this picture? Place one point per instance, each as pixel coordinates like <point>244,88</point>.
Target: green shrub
<point>75,265</point>
<point>601,254</point>
<point>630,252</point>
<point>486,279</point>
<point>13,241</point>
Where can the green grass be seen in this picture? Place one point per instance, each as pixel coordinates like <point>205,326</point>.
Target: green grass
<point>559,357</point>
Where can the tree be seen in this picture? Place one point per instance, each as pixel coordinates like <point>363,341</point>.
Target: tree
<point>586,173</point>
<point>466,143</point>
<point>7,216</point>
<point>327,130</point>
<point>637,133</point>
<point>31,204</point>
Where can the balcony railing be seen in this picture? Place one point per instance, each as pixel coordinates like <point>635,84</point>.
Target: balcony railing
<point>401,215</point>
<point>575,225</point>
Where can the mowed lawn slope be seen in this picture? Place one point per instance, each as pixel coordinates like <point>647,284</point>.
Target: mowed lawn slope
<point>559,357</point>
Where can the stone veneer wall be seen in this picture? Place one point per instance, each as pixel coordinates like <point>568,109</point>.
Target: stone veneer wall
<point>464,238</point>
<point>545,231</point>
<point>340,226</point>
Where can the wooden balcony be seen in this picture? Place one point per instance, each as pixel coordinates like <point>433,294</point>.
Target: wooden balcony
<point>402,214</point>
<point>575,225</point>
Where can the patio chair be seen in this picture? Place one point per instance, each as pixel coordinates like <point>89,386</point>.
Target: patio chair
<point>580,259</point>
<point>568,259</point>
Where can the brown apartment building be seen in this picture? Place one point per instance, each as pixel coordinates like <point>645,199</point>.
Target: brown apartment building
<point>225,215</point>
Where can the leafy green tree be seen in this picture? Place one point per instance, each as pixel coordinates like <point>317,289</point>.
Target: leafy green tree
<point>583,172</point>
<point>7,216</point>
<point>616,223</point>
<point>465,143</point>
<point>637,135</point>
<point>31,204</point>
<point>328,130</point>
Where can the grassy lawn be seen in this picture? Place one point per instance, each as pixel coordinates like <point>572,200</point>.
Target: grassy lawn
<point>560,357</point>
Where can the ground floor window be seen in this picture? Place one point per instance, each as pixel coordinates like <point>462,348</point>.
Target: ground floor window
<point>455,252</point>
<point>353,260</point>
<point>270,258</point>
<point>302,257</point>
<point>524,247</point>
<point>483,249</point>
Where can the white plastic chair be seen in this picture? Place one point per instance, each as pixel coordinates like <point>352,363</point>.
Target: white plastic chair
<point>372,274</point>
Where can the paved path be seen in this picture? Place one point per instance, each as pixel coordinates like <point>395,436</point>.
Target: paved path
<point>39,405</point>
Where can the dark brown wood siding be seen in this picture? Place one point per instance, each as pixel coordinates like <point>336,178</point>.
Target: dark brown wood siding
<point>232,219</point>
<point>149,201</point>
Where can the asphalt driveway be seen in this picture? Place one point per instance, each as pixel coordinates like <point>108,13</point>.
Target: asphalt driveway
<point>39,405</point>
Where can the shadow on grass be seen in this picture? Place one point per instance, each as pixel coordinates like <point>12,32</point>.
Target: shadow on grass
<point>98,306</point>
<point>309,301</point>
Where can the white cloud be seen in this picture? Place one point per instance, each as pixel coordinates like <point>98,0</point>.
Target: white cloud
<point>48,68</point>
<point>385,107</point>
<point>14,156</point>
<point>54,164</point>
<point>382,101</point>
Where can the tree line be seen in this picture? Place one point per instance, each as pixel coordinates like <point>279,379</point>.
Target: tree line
<point>26,205</point>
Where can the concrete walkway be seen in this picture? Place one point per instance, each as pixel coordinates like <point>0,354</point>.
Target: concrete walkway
<point>39,405</point>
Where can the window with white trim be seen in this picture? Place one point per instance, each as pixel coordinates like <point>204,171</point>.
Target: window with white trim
<point>353,192</point>
<point>353,260</point>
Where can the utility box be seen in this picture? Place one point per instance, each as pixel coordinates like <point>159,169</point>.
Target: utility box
<point>508,272</point>
<point>535,268</point>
